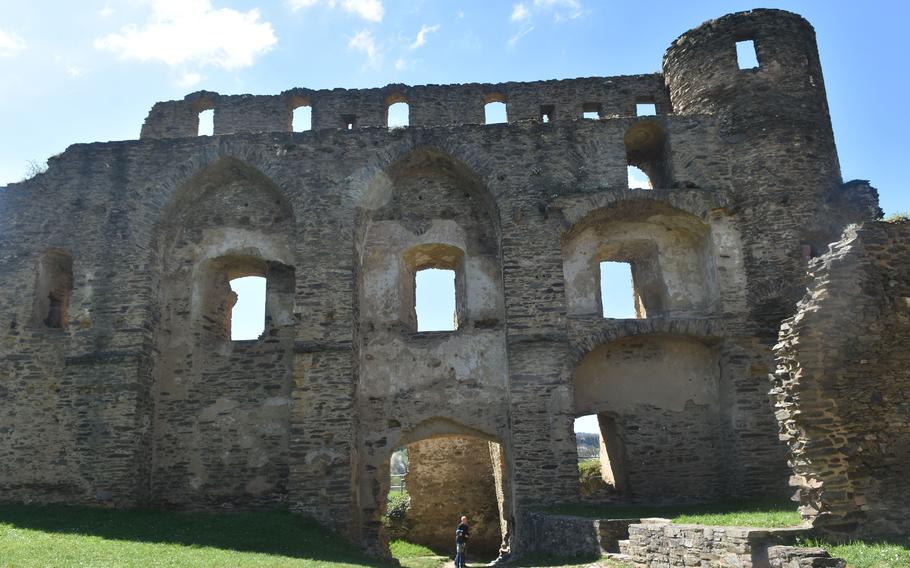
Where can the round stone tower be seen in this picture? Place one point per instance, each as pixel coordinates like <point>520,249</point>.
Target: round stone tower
<point>776,111</point>
<point>774,129</point>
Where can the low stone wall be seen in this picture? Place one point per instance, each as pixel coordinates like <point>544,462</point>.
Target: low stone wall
<point>659,543</point>
<point>569,536</point>
<point>802,557</point>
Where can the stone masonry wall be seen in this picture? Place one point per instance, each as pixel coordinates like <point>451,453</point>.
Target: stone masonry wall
<point>842,386</point>
<point>448,478</point>
<point>120,385</point>
<point>661,543</point>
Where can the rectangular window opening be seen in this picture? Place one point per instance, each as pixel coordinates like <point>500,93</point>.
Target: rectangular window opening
<point>591,111</point>
<point>617,291</point>
<point>248,311</point>
<point>599,453</point>
<point>398,115</point>
<point>207,122</point>
<point>348,121</point>
<point>495,113</point>
<point>547,112</point>
<point>303,118</point>
<point>746,54</point>
<point>645,109</point>
<point>435,300</point>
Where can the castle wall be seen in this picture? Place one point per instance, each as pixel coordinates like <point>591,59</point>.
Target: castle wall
<point>120,385</point>
<point>842,383</point>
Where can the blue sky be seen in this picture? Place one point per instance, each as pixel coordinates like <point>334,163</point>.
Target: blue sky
<point>90,70</point>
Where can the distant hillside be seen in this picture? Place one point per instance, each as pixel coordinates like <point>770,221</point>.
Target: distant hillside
<point>588,444</point>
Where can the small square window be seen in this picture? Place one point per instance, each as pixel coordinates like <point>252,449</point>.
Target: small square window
<point>547,112</point>
<point>746,54</point>
<point>591,111</point>
<point>349,121</point>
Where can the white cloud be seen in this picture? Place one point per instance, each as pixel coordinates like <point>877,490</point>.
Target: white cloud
<point>365,42</point>
<point>107,11</point>
<point>521,33</point>
<point>400,64</point>
<point>422,35</point>
<point>193,32</point>
<point>562,9</point>
<point>189,79</point>
<point>370,10</point>
<point>520,12</point>
<point>10,44</point>
<point>75,71</point>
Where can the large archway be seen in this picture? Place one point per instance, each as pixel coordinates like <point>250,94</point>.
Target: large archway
<point>426,210</point>
<point>450,475</point>
<point>657,401</point>
<point>222,407</point>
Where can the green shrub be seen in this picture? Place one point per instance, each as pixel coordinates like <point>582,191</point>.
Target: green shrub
<point>589,477</point>
<point>396,515</point>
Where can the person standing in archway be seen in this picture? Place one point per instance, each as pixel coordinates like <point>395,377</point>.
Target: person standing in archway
<point>462,534</point>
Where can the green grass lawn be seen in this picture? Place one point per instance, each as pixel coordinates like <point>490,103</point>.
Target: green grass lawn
<point>84,537</point>
<point>859,554</point>
<point>759,513</point>
<point>416,556</point>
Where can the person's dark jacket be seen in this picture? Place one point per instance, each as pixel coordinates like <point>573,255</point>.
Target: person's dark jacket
<point>462,533</point>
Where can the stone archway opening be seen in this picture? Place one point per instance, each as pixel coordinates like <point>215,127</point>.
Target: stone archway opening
<point>434,481</point>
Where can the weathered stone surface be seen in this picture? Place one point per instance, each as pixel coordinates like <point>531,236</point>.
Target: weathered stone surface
<point>119,382</point>
<point>448,478</point>
<point>842,386</point>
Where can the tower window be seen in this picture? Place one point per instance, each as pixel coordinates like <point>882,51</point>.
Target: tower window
<point>248,311</point>
<point>435,300</point>
<point>348,121</point>
<point>617,291</point>
<point>746,54</point>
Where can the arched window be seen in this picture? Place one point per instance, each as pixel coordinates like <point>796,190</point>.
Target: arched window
<point>495,110</point>
<point>646,149</point>
<point>637,178</point>
<point>397,111</point>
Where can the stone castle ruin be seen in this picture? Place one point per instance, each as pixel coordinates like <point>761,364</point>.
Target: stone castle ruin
<point>120,384</point>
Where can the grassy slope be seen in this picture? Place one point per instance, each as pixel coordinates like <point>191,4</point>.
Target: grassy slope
<point>740,513</point>
<point>77,536</point>
<point>858,554</point>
